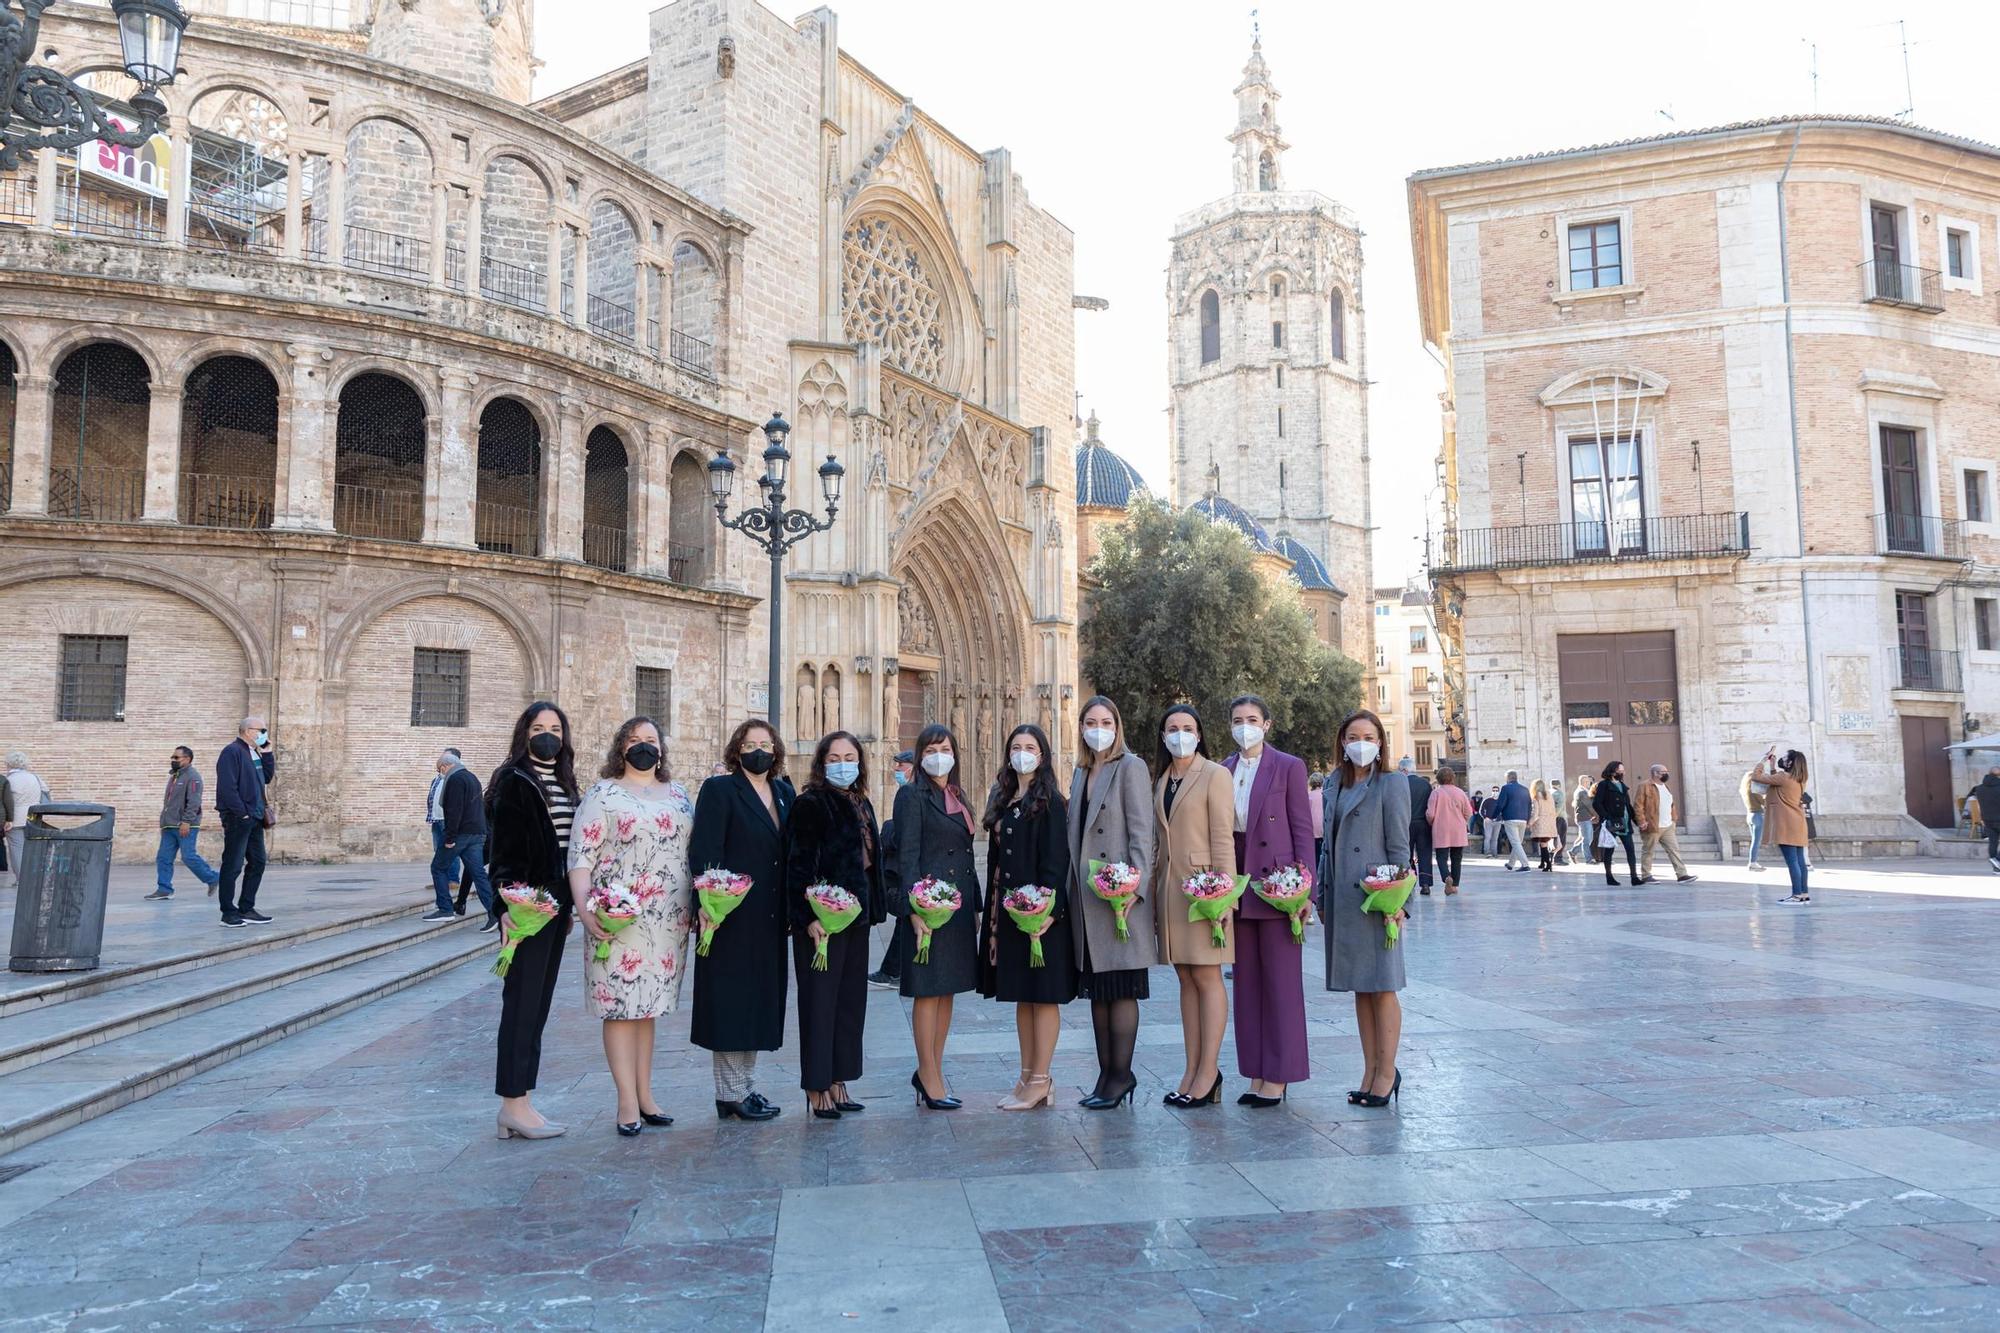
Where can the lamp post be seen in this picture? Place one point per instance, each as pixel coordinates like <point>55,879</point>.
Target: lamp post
<point>774,528</point>
<point>44,108</point>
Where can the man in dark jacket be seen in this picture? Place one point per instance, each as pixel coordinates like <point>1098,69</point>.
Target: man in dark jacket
<point>890,973</point>
<point>1988,795</point>
<point>180,825</point>
<point>1420,821</point>
<point>1517,807</point>
<point>462,805</point>
<point>241,771</point>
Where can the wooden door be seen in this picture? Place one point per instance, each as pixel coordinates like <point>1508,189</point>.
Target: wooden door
<point>1621,700</point>
<point>1927,771</point>
<point>1913,641</point>
<point>1888,253</point>
<point>1902,490</point>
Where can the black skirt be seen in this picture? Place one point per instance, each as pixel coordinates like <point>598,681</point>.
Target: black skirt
<point>1011,978</point>
<point>1130,983</point>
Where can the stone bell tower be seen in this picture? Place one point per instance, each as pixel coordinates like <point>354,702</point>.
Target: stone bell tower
<point>484,44</point>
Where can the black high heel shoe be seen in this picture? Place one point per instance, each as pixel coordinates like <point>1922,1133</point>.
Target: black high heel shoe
<point>1260,1102</point>
<point>630,1131</point>
<point>658,1118</point>
<point>1213,1097</point>
<point>1395,1093</point>
<point>1098,1101</point>
<point>925,1100</point>
<point>1177,1099</point>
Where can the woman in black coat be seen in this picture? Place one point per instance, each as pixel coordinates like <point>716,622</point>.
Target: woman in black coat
<point>739,988</point>
<point>831,838</point>
<point>1027,831</point>
<point>934,832</point>
<point>1612,805</point>
<point>529,805</point>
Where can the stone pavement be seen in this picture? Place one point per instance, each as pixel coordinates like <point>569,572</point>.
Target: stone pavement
<point>1670,1107</point>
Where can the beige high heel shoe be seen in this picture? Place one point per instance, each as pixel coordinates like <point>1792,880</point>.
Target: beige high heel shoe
<point>1033,1090</point>
<point>507,1127</point>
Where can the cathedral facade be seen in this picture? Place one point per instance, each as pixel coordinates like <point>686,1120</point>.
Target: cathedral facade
<point>1267,355</point>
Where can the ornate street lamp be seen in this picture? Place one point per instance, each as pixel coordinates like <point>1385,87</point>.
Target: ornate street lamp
<point>774,528</point>
<point>43,108</point>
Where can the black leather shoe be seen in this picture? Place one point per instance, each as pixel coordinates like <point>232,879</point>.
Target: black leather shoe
<point>752,1107</point>
<point>630,1131</point>
<point>849,1108</point>
<point>763,1104</point>
<point>656,1118</point>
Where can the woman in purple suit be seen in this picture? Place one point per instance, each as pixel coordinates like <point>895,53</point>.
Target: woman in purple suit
<point>1273,830</point>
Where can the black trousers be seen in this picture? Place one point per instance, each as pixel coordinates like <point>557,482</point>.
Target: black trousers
<point>1631,857</point>
<point>1420,851</point>
<point>1450,860</point>
<point>833,1007</point>
<point>525,996</point>
<point>892,957</point>
<point>242,854</point>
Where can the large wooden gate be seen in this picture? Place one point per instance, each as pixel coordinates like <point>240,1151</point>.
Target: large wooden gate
<point>1621,700</point>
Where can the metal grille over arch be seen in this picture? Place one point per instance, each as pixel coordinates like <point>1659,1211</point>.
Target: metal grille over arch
<point>606,500</point>
<point>7,369</point>
<point>507,515</point>
<point>378,460</point>
<point>690,520</point>
<point>97,447</point>
<point>229,444</point>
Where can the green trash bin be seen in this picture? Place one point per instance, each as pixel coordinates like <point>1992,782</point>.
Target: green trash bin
<point>64,879</point>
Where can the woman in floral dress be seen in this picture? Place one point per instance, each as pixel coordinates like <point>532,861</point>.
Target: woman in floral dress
<point>631,831</point>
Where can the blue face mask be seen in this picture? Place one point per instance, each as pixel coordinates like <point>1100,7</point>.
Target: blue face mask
<point>902,778</point>
<point>843,776</point>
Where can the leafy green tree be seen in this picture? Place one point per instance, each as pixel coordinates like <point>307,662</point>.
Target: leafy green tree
<point>1181,613</point>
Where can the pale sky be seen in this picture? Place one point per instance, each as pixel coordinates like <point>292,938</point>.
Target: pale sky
<point>1116,114</point>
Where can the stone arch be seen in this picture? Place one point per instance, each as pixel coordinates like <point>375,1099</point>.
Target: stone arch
<point>341,638</point>
<point>418,376</point>
<point>256,657</point>
<point>1209,306</point>
<point>18,347</point>
<point>697,294</point>
<point>99,431</point>
<point>609,476</point>
<point>958,310</point>
<point>510,461</point>
<point>179,368</point>
<point>381,457</point>
<point>62,344</point>
<point>614,254</point>
<point>538,407</point>
<point>235,81</point>
<point>527,157</point>
<point>1631,382</point>
<point>690,517</point>
<point>387,212</point>
<point>230,411</point>
<point>519,199</point>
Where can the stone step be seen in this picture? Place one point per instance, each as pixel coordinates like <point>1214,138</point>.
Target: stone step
<point>67,1090</point>
<point>54,1030</point>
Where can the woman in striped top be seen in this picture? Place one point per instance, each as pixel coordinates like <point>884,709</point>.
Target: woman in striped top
<point>530,804</point>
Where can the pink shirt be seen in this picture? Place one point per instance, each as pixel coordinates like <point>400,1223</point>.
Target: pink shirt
<point>1450,811</point>
<point>1318,812</point>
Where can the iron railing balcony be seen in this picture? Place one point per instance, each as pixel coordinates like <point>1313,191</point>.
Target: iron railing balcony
<point>106,494</point>
<point>683,562</point>
<point>378,512</point>
<point>605,546</point>
<point>611,319</point>
<point>374,251</point>
<point>1904,285</point>
<point>506,529</point>
<point>1930,669</point>
<point>526,288</point>
<point>17,198</point>
<point>691,354</point>
<point>1620,541</point>
<point>1920,535</point>
<point>212,500</point>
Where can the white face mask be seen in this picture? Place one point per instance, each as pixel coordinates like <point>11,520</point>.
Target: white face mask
<point>1361,754</point>
<point>1099,738</point>
<point>937,764</point>
<point>1025,761</point>
<point>1180,744</point>
<point>1248,735</point>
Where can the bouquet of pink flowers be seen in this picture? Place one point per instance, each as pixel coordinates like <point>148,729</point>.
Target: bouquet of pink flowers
<point>836,909</point>
<point>1289,889</point>
<point>1117,884</point>
<point>528,910</point>
<point>720,892</point>
<point>932,901</point>
<point>1388,889</point>
<point>616,907</point>
<point>1030,906</point>
<point>1211,895</point>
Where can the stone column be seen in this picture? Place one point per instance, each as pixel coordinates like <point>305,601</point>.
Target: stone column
<point>34,418</point>
<point>307,711</point>
<point>336,209</point>
<point>457,469</point>
<point>45,190</point>
<point>163,455</point>
<point>440,233</point>
<point>555,274</point>
<point>306,422</point>
<point>655,512</point>
<point>177,185</point>
<point>563,536</point>
<point>581,280</point>
<point>475,259</point>
<point>666,308</point>
<point>641,271</point>
<point>295,205</point>
<point>433,465</point>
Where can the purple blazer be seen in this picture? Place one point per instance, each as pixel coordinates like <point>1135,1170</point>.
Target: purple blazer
<point>1278,831</point>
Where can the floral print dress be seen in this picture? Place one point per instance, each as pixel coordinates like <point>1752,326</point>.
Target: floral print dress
<point>642,844</point>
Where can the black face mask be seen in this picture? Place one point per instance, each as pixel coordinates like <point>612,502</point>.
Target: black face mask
<point>643,756</point>
<point>1786,763</point>
<point>173,765</point>
<point>545,746</point>
<point>757,761</point>
<point>1666,777</point>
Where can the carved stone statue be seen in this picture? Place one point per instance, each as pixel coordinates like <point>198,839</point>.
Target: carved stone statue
<point>807,725</point>
<point>829,708</point>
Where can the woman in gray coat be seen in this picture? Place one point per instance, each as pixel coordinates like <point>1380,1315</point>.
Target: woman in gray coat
<point>1367,825</point>
<point>1111,819</point>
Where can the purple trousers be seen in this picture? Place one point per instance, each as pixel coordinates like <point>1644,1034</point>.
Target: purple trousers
<point>1270,1018</point>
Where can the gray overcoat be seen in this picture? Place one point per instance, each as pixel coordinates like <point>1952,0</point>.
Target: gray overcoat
<point>1373,830</point>
<point>1118,826</point>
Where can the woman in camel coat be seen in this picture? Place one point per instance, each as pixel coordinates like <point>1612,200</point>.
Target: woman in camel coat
<point>1194,802</point>
<point>1784,780</point>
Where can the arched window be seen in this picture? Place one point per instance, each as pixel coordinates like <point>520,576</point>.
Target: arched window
<point>614,251</point>
<point>6,427</point>
<point>387,219</point>
<point>229,444</point>
<point>507,513</point>
<point>691,341</point>
<point>1211,327</point>
<point>97,453</point>
<point>688,520</point>
<point>1336,323</point>
<point>1277,286</point>
<point>513,235</point>
<point>1267,172</point>
<point>606,501</point>
<point>378,460</point>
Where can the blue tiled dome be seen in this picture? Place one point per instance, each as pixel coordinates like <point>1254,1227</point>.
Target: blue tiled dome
<point>1103,479</point>
<point>1218,510</point>
<point>1307,567</point>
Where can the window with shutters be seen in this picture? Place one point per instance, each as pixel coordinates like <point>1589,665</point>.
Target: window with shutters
<point>439,687</point>
<point>92,685</point>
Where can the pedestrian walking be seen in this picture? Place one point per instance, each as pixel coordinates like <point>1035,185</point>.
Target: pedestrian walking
<point>1583,848</point>
<point>180,826</point>
<point>21,792</point>
<point>1449,814</point>
<point>934,833</point>
<point>1315,784</point>
<point>532,803</point>
<point>887,976</point>
<point>1542,823</point>
<point>1561,801</point>
<point>1368,825</point>
<point>1027,843</point>
<point>1612,804</point>
<point>631,832</point>
<point>1785,812</point>
<point>1420,824</point>
<point>1273,829</point>
<point>242,770</point>
<point>460,834</point>
<point>1194,829</point>
<point>1654,808</point>
<point>1111,821</point>
<point>739,986</point>
<point>1987,793</point>
<point>1517,807</point>
<point>1491,826</point>
<point>832,839</point>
